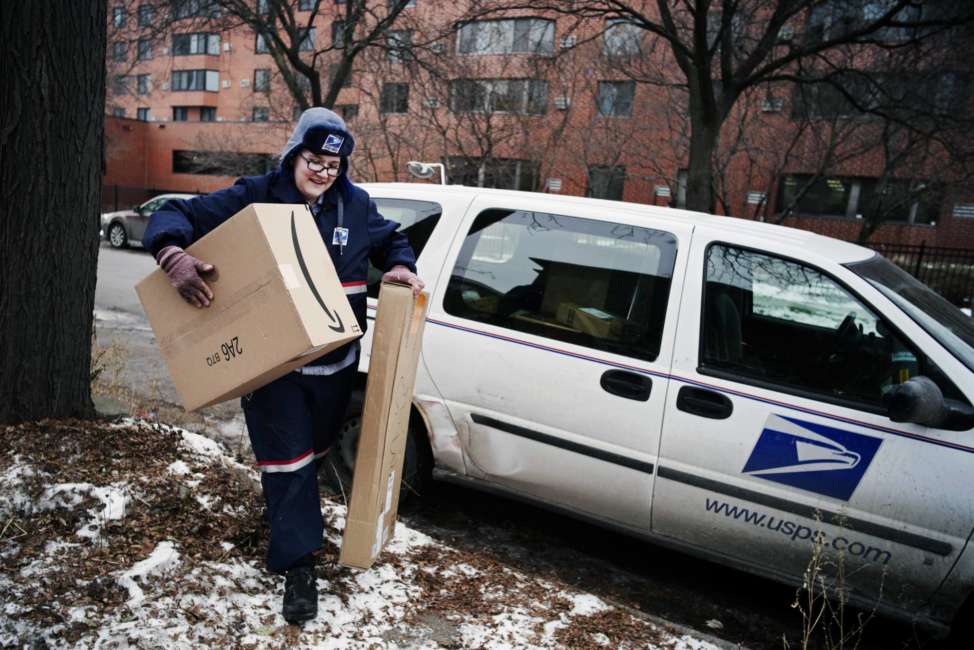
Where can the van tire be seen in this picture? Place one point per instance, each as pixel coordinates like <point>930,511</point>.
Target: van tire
<point>337,465</point>
<point>962,629</point>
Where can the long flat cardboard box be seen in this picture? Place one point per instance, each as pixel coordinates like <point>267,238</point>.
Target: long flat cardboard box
<point>396,341</point>
<point>278,304</point>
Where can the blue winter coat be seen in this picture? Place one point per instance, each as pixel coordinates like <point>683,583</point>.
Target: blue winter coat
<point>181,222</point>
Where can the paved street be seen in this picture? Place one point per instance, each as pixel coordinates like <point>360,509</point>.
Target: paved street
<point>135,364</point>
<point>659,582</point>
<point>118,270</point>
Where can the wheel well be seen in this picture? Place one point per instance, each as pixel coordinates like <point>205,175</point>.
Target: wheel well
<point>963,626</point>
<point>417,422</point>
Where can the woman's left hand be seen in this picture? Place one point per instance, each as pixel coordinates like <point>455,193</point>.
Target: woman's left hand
<point>403,275</point>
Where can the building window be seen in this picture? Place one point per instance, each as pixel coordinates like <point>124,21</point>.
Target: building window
<point>682,176</point>
<point>308,42</point>
<point>597,284</point>
<point>262,80</point>
<point>118,16</point>
<point>180,113</point>
<point>338,34</point>
<point>221,163</point>
<point>394,98</point>
<point>260,45</point>
<point>622,39</point>
<point>147,14</point>
<point>207,114</point>
<point>808,194</point>
<point>263,7</point>
<point>903,200</point>
<point>196,43</point>
<point>392,3</point>
<point>606,182</point>
<point>144,52</point>
<point>498,95</point>
<point>118,111</point>
<point>508,36</point>
<point>901,94</point>
<point>120,84</point>
<point>614,98</point>
<point>119,50</point>
<point>195,8</point>
<point>399,43</point>
<point>142,113</point>
<point>306,5</point>
<point>261,114</point>
<point>347,111</point>
<point>142,84</point>
<point>504,173</point>
<point>895,199</point>
<point>837,18</point>
<point>196,80</point>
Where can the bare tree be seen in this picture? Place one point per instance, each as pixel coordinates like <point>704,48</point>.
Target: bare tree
<point>311,67</point>
<point>50,186</point>
<point>719,50</point>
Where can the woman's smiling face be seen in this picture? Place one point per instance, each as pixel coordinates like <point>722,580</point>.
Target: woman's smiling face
<point>314,174</point>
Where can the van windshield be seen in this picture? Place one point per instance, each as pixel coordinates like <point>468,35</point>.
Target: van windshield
<point>947,324</point>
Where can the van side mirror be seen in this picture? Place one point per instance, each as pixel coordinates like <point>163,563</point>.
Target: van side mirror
<point>919,400</point>
<point>137,210</point>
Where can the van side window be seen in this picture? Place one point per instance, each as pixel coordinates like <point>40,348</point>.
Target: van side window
<point>592,283</point>
<point>781,322</point>
<point>416,219</point>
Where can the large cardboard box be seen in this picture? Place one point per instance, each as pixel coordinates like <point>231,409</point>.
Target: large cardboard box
<point>277,304</point>
<point>590,320</point>
<point>396,341</point>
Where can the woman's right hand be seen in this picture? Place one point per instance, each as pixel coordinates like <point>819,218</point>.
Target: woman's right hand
<point>183,271</point>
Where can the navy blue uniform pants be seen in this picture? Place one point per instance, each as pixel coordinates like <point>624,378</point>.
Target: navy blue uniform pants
<point>292,421</point>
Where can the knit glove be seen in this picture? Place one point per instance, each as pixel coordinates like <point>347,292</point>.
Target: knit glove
<point>184,271</point>
<point>400,273</point>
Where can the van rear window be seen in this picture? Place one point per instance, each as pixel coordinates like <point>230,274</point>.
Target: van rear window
<point>416,220</point>
<point>593,283</point>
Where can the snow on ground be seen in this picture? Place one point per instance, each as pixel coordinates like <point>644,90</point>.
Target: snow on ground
<point>121,320</point>
<point>142,535</point>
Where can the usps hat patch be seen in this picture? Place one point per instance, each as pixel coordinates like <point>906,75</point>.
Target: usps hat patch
<point>332,144</point>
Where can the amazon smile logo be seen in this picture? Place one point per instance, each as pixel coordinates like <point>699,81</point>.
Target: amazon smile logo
<point>811,456</point>
<point>338,326</point>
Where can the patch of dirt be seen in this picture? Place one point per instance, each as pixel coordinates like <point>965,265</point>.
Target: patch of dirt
<point>160,508</point>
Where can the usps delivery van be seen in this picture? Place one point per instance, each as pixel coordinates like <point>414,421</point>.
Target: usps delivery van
<point>742,391</point>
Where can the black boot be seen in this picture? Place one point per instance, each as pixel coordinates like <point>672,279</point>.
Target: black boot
<point>300,594</point>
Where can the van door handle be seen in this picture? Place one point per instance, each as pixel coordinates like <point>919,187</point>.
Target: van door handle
<point>627,384</point>
<point>705,403</point>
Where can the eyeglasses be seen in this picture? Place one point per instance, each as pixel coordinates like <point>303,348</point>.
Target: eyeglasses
<point>319,168</point>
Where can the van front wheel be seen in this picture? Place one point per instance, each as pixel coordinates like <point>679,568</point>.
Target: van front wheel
<point>338,464</point>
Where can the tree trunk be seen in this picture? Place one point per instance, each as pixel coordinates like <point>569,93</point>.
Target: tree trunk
<point>52,99</point>
<point>700,173</point>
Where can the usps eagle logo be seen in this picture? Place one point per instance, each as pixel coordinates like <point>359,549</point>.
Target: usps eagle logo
<point>333,144</point>
<point>811,457</point>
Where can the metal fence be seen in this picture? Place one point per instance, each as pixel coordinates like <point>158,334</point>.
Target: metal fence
<point>948,271</point>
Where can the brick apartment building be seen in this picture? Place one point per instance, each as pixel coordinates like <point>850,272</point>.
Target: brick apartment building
<point>532,101</point>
